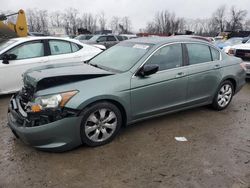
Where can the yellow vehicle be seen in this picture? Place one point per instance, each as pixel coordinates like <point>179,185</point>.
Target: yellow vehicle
<point>10,30</point>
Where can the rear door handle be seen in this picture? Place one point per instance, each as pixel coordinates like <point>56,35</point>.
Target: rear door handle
<point>217,66</point>
<point>180,74</point>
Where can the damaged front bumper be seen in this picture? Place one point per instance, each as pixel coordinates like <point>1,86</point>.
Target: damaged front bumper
<point>55,131</point>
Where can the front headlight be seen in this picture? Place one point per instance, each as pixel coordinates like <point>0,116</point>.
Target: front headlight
<point>52,101</point>
<point>231,51</point>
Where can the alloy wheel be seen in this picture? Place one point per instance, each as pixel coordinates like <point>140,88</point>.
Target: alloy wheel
<point>100,125</point>
<point>224,95</point>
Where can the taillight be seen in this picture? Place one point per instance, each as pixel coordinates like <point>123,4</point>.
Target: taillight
<point>243,66</point>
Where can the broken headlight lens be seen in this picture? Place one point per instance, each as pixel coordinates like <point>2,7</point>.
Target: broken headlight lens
<point>52,101</point>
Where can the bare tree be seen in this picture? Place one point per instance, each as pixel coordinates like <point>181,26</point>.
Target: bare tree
<point>102,21</point>
<point>89,22</point>
<point>165,23</point>
<point>237,19</point>
<point>114,24</point>
<point>247,25</point>
<point>38,20</point>
<point>56,19</point>
<point>218,19</point>
<point>126,25</point>
<point>70,20</point>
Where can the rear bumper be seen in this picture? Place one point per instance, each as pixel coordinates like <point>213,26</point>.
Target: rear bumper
<point>60,135</point>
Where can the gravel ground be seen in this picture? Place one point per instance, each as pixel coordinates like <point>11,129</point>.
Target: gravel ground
<point>217,153</point>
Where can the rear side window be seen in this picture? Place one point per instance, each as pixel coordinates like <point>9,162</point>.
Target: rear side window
<point>28,50</point>
<point>215,54</point>
<point>111,38</point>
<point>59,47</point>
<point>75,47</point>
<point>168,57</point>
<point>198,53</point>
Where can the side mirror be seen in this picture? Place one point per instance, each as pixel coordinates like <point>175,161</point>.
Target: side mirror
<point>147,70</point>
<point>7,57</point>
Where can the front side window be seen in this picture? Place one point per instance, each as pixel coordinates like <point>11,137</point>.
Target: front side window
<point>168,57</point>
<point>215,54</point>
<point>28,50</point>
<point>198,53</point>
<point>59,47</point>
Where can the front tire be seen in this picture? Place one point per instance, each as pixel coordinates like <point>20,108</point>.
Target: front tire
<point>223,95</point>
<point>100,124</point>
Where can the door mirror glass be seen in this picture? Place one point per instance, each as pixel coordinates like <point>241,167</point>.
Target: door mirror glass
<point>147,70</point>
<point>7,57</point>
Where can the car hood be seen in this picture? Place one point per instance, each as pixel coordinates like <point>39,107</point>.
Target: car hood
<point>245,46</point>
<point>57,74</point>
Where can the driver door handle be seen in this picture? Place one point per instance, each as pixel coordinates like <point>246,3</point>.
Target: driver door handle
<point>217,66</point>
<point>180,74</point>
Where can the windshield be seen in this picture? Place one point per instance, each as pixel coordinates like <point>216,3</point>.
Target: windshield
<point>122,56</point>
<point>6,43</point>
<point>233,41</point>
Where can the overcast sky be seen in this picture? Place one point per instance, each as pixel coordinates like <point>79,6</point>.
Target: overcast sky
<point>139,11</point>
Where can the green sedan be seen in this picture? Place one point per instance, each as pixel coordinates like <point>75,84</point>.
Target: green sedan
<point>65,105</point>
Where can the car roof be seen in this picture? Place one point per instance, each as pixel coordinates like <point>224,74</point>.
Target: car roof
<point>30,38</point>
<point>163,40</point>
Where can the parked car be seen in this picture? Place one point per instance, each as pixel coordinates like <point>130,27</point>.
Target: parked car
<point>63,106</point>
<point>20,54</point>
<point>230,42</point>
<point>83,37</point>
<point>242,51</point>
<point>106,40</point>
<point>128,36</point>
<point>245,39</point>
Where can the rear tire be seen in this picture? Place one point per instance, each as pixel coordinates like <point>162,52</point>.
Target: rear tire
<point>223,96</point>
<point>100,124</point>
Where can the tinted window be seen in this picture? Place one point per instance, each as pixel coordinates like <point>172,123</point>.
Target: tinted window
<point>102,39</point>
<point>59,47</point>
<point>111,38</point>
<point>28,50</point>
<point>168,57</point>
<point>215,54</point>
<point>198,53</point>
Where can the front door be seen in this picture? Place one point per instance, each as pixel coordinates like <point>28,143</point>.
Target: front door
<point>163,91</point>
<point>28,55</point>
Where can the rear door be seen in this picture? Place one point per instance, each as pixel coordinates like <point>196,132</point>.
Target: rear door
<point>204,72</point>
<point>163,91</point>
<point>28,55</point>
<point>62,51</point>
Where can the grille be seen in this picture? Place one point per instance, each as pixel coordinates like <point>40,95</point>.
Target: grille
<point>244,54</point>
